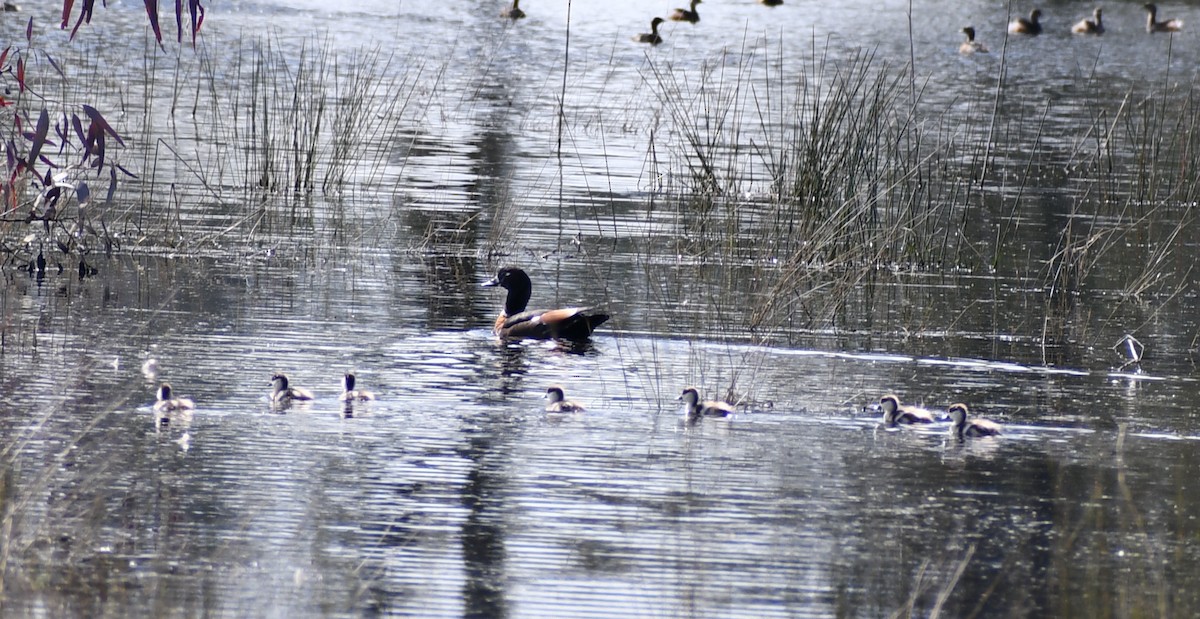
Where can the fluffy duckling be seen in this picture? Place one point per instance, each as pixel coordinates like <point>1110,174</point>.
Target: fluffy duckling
<point>770,2</point>
<point>651,38</point>
<point>688,15</point>
<point>894,413</point>
<point>281,393</point>
<point>1166,25</point>
<point>559,403</point>
<point>513,12</point>
<point>963,427</point>
<point>1090,26</point>
<point>167,404</point>
<point>693,408</point>
<point>1030,26</point>
<point>971,46</point>
<point>350,394</point>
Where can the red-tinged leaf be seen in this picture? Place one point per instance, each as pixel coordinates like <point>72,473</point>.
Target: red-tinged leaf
<point>66,18</point>
<point>85,15</point>
<point>39,136</point>
<point>98,119</point>
<point>123,170</point>
<point>77,126</point>
<point>4,56</point>
<point>197,18</point>
<point>21,73</point>
<point>152,14</point>
<point>4,102</point>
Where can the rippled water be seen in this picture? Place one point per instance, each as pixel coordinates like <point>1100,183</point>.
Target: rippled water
<point>455,495</point>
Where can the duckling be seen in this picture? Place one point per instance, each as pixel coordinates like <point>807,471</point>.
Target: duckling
<point>693,408</point>
<point>10,7</point>
<point>1090,26</point>
<point>971,46</point>
<point>689,16</point>
<point>281,393</point>
<point>651,38</point>
<point>1029,26</point>
<point>559,403</point>
<point>513,12</point>
<point>894,413</point>
<point>167,404</point>
<point>352,395</point>
<point>1166,25</point>
<point>963,427</point>
<point>770,2</point>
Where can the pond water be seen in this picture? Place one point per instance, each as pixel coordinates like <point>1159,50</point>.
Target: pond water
<point>454,494</point>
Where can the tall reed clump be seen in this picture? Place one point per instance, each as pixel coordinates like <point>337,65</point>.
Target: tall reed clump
<point>814,181</point>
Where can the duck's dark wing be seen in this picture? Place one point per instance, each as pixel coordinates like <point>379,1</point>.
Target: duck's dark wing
<point>571,323</point>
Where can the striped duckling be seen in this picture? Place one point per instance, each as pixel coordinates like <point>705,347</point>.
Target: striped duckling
<point>167,404</point>
<point>894,413</point>
<point>1095,25</point>
<point>350,394</point>
<point>688,15</point>
<point>694,408</point>
<point>1166,25</point>
<point>1029,26</point>
<point>652,36</point>
<point>559,402</point>
<point>962,427</point>
<point>283,393</point>
<point>971,46</point>
<point>513,12</point>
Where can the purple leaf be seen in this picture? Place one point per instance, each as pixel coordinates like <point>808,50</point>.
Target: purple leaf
<point>112,185</point>
<point>39,137</point>
<point>78,127</point>
<point>97,119</point>
<point>127,172</point>
<point>152,13</point>
<point>54,64</point>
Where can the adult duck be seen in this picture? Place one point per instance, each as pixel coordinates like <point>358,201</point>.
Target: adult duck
<point>688,15</point>
<point>962,427</point>
<point>515,322</point>
<point>1030,26</point>
<point>1166,25</point>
